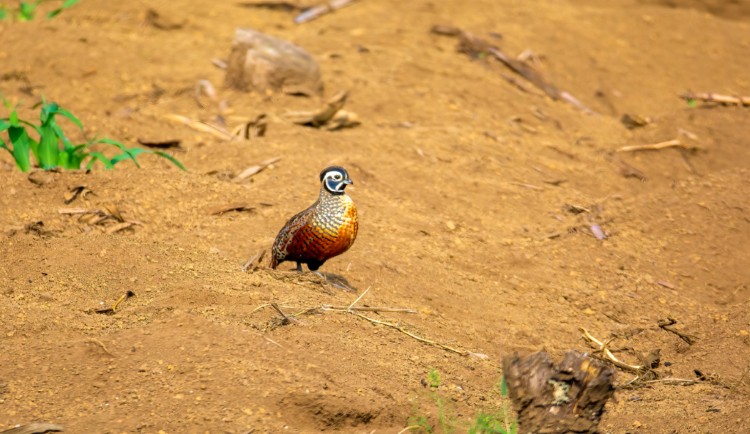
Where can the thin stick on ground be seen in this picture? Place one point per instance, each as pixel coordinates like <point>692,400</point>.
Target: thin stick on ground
<point>717,98</point>
<point>475,46</point>
<point>287,319</point>
<point>666,325</point>
<point>368,309</point>
<point>656,146</point>
<point>358,298</point>
<point>419,338</point>
<point>353,310</point>
<point>607,354</point>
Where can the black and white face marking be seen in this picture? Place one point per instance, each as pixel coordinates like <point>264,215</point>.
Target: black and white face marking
<point>335,179</point>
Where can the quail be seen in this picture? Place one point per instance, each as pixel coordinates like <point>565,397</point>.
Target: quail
<point>324,230</point>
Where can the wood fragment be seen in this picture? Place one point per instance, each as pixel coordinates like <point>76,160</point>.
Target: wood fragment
<point>34,428</point>
<point>320,10</point>
<point>674,143</point>
<point>607,353</point>
<point>320,117</point>
<point>286,319</point>
<point>121,226</point>
<point>475,46</point>
<point>255,169</point>
<point>353,310</point>
<point>568,397</point>
<point>282,5</point>
<point>199,126</point>
<point>79,211</point>
<point>716,98</point>
<point>666,325</point>
<point>164,144</point>
<point>368,308</point>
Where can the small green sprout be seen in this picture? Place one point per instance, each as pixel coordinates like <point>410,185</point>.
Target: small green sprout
<point>52,149</point>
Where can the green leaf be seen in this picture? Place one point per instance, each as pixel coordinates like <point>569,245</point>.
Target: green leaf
<point>63,160</point>
<point>66,5</point>
<point>130,154</point>
<point>3,145</point>
<point>13,119</point>
<point>67,144</point>
<point>70,116</point>
<point>20,140</point>
<point>26,10</point>
<point>433,378</point>
<point>4,125</point>
<point>48,110</point>
<point>3,13</point>
<point>98,156</point>
<point>174,161</point>
<point>503,388</point>
<point>48,149</point>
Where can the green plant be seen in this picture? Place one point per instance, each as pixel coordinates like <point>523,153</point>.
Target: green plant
<point>26,10</point>
<point>445,417</point>
<point>52,149</point>
<point>498,421</point>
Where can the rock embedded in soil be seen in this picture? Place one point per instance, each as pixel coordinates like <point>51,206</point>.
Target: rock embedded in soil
<point>259,62</point>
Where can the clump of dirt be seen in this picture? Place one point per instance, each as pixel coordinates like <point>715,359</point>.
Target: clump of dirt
<point>504,218</point>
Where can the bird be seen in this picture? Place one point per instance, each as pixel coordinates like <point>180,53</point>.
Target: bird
<point>326,229</point>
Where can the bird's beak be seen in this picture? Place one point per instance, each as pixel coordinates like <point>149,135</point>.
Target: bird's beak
<point>348,182</point>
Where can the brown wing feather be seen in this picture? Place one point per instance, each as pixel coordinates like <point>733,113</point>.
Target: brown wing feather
<point>287,234</point>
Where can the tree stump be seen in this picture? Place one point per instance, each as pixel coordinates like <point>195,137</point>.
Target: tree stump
<point>564,398</point>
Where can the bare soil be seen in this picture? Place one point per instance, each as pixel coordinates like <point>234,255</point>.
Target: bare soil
<point>467,189</point>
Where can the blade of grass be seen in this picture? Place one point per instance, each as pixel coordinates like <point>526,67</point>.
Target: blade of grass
<point>172,159</point>
<point>98,156</point>
<point>69,115</point>
<point>21,144</point>
<point>66,5</point>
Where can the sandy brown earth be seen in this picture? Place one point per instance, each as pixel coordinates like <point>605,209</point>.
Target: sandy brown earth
<point>466,187</point>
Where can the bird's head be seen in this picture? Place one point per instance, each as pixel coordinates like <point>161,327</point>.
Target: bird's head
<point>335,179</point>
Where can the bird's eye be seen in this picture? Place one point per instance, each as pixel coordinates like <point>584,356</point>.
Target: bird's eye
<point>337,177</point>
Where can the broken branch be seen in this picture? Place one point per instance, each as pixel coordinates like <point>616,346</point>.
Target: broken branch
<point>666,325</point>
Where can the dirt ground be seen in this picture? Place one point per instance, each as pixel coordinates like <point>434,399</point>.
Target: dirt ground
<point>476,200</point>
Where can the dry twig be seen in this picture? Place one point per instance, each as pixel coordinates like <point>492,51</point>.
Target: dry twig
<point>666,325</point>
<point>657,146</point>
<point>717,98</point>
<point>475,46</point>
<point>607,354</point>
<point>352,310</point>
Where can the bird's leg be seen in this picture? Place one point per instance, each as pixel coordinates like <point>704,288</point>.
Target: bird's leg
<point>299,267</point>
